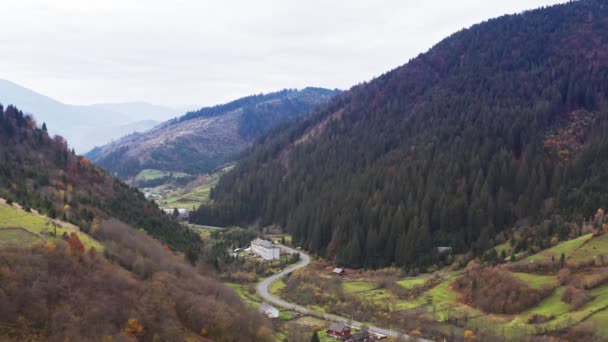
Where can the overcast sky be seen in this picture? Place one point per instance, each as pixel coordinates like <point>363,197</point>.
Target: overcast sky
<point>185,52</point>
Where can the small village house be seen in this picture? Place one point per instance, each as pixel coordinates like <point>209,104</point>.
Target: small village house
<point>338,330</point>
<point>363,336</point>
<point>265,249</point>
<point>269,310</point>
<point>442,250</point>
<point>338,271</point>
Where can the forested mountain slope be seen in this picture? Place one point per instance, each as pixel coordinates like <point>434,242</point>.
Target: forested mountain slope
<point>39,172</point>
<point>200,141</point>
<point>503,121</point>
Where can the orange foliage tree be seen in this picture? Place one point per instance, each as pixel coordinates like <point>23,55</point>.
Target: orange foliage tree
<point>75,244</point>
<point>133,328</point>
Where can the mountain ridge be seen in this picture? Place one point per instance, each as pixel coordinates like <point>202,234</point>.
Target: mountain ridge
<point>85,126</point>
<point>202,140</point>
<point>448,149</point>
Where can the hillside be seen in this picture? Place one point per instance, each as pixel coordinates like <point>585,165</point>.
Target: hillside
<point>555,293</point>
<point>39,172</point>
<point>135,290</point>
<point>85,126</point>
<point>72,269</point>
<point>200,141</point>
<point>500,123</point>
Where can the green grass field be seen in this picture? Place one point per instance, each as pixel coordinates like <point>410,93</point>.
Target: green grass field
<point>594,247</point>
<point>537,281</point>
<point>191,198</point>
<point>567,248</point>
<point>409,283</point>
<point>276,287</point>
<point>550,305</point>
<point>251,299</point>
<point>17,235</point>
<point>196,196</point>
<point>151,174</point>
<point>12,217</point>
<point>358,286</point>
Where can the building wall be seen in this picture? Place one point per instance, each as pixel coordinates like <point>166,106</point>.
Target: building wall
<point>266,253</point>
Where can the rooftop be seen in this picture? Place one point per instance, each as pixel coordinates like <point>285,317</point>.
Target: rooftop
<point>262,243</point>
<point>337,327</point>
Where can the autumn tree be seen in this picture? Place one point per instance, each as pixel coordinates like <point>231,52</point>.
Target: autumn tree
<point>133,328</point>
<point>75,244</point>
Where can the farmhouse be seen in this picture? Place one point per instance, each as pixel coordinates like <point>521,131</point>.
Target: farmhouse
<point>265,249</point>
<point>363,336</point>
<point>269,310</point>
<point>338,330</point>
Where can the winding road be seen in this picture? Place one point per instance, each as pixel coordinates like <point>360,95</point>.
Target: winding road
<point>263,286</point>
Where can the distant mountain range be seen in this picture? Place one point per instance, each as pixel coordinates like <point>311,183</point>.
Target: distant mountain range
<point>88,126</point>
<point>202,140</point>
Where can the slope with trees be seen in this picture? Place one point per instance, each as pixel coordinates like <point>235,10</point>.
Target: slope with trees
<point>498,123</point>
<point>202,140</point>
<point>137,290</point>
<point>39,172</point>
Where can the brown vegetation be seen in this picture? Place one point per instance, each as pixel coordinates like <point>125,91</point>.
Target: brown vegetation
<point>48,292</point>
<point>574,296</point>
<point>495,290</point>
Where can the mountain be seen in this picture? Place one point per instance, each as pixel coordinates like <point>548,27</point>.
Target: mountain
<point>501,123</point>
<point>39,172</point>
<point>202,140</point>
<point>85,126</point>
<point>143,110</point>
<point>109,279</point>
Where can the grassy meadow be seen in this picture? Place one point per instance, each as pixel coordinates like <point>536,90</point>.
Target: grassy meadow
<point>21,227</point>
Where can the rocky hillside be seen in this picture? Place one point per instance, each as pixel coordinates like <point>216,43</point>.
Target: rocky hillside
<point>503,122</point>
<point>200,141</point>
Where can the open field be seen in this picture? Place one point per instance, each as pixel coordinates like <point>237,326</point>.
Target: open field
<point>150,174</point>
<point>188,198</point>
<point>276,287</point>
<point>537,281</point>
<point>35,228</point>
<point>250,298</point>
<point>192,195</point>
<point>594,247</point>
<point>17,235</point>
<point>358,286</point>
<point>409,283</point>
<point>567,248</point>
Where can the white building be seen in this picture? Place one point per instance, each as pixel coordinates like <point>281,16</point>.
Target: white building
<point>269,310</point>
<point>265,249</point>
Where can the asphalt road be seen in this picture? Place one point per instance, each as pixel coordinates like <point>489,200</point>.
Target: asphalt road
<point>305,260</point>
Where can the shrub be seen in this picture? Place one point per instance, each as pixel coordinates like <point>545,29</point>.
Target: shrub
<point>575,297</point>
<point>538,318</point>
<point>496,290</point>
<point>564,276</point>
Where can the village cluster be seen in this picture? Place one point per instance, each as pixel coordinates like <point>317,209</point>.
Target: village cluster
<point>267,250</point>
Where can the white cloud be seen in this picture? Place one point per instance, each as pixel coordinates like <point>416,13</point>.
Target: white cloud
<point>207,52</point>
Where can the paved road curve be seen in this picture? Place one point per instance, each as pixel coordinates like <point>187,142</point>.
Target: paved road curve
<point>305,260</point>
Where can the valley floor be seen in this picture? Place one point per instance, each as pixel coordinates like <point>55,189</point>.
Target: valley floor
<point>431,305</point>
